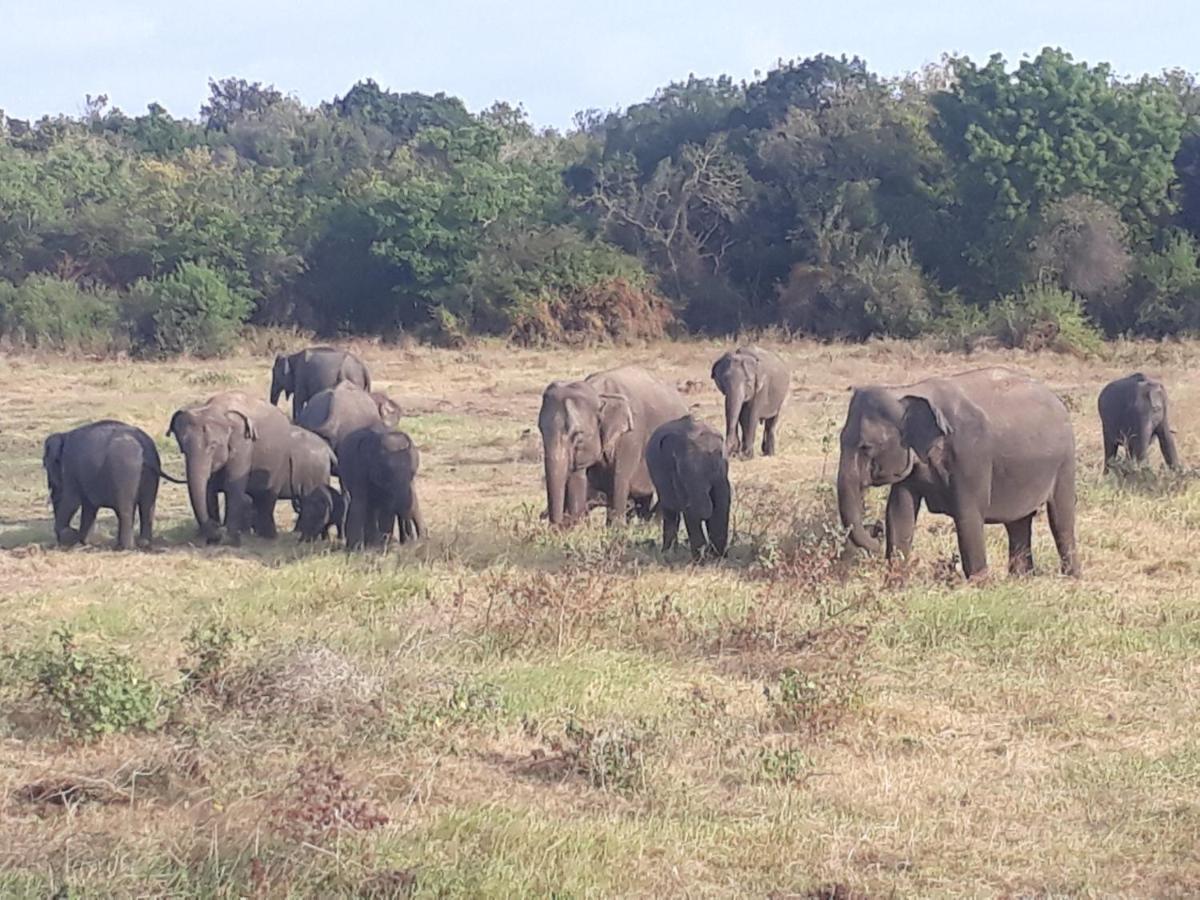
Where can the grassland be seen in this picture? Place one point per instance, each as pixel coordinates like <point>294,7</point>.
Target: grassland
<point>508,711</point>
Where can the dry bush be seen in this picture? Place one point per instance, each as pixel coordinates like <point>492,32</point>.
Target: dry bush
<point>308,679</point>
<point>612,312</point>
<point>321,803</point>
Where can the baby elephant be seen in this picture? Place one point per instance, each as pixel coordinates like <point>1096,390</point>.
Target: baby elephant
<point>1133,411</point>
<point>319,510</point>
<point>378,468</point>
<point>108,465</point>
<point>755,383</point>
<point>690,472</point>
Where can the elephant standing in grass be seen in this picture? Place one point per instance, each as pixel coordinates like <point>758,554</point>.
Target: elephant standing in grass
<point>755,383</point>
<point>303,375</point>
<point>378,469</point>
<point>239,446</point>
<point>311,463</point>
<point>104,465</point>
<point>594,433</point>
<point>985,446</point>
<point>337,412</point>
<point>1133,413</point>
<point>690,471</point>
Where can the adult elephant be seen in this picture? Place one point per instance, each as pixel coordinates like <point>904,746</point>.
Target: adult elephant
<point>985,446</point>
<point>755,383</point>
<point>690,471</point>
<point>304,374</point>
<point>238,446</point>
<point>337,412</point>
<point>594,433</point>
<point>103,465</point>
<point>1133,413</point>
<point>378,468</point>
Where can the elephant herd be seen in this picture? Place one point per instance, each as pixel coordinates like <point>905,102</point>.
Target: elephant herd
<point>987,446</point>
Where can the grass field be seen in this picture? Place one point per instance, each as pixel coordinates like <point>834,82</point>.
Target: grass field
<point>509,711</point>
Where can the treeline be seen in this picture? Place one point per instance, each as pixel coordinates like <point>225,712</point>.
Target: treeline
<point>1041,205</point>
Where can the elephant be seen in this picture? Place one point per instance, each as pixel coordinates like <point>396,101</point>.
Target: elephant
<point>239,446</point>
<point>755,383</point>
<point>108,465</point>
<point>378,469</point>
<point>318,511</point>
<point>312,370</point>
<point>311,462</point>
<point>690,471</point>
<point>594,433</point>
<point>336,412</point>
<point>987,446</point>
<point>1133,412</point>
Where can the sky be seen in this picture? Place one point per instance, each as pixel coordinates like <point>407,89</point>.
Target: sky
<point>554,56</point>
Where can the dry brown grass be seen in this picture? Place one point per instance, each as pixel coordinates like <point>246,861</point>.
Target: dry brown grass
<point>505,710</point>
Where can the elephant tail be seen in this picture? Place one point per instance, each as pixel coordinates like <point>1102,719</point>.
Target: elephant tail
<point>171,478</point>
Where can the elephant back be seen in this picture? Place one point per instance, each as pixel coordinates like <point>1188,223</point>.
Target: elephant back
<point>652,401</point>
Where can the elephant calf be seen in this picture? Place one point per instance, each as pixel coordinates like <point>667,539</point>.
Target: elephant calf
<point>318,511</point>
<point>311,464</point>
<point>1133,412</point>
<point>107,465</point>
<point>690,472</point>
<point>755,383</point>
<point>378,468</point>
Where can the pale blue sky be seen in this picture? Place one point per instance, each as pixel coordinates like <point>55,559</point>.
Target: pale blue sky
<point>555,56</point>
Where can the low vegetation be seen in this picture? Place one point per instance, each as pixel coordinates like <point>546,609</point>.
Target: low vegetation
<point>507,710</point>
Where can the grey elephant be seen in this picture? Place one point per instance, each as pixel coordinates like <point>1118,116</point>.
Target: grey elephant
<point>312,370</point>
<point>986,446</point>
<point>594,433</point>
<point>690,471</point>
<point>318,511</point>
<point>238,446</point>
<point>755,383</point>
<point>337,412</point>
<point>311,463</point>
<point>104,465</point>
<point>378,469</point>
<point>1133,412</point>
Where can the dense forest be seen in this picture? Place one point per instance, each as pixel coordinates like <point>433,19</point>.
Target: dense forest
<point>1046,203</point>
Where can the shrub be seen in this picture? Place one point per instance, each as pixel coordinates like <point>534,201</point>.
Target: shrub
<point>95,692</point>
<point>1166,288</point>
<point>612,758</point>
<point>45,311</point>
<point>1043,317</point>
<point>192,310</point>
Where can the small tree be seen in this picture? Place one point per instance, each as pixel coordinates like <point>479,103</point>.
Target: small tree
<point>192,310</point>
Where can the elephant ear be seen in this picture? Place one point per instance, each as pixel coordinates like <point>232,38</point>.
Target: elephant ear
<point>52,450</point>
<point>171,428</point>
<point>389,409</point>
<point>240,418</point>
<point>616,419</point>
<point>923,425</point>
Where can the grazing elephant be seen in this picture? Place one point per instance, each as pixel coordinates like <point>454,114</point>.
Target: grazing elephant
<point>337,412</point>
<point>311,462</point>
<point>304,374</point>
<point>755,383</point>
<point>594,433</point>
<point>108,465</point>
<point>239,446</point>
<point>986,446</point>
<point>690,471</point>
<point>1133,412</point>
<point>378,468</point>
<point>320,510</point>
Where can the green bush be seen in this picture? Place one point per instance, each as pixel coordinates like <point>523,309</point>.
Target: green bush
<point>193,310</point>
<point>95,692</point>
<point>45,311</point>
<point>1166,288</point>
<point>1043,317</point>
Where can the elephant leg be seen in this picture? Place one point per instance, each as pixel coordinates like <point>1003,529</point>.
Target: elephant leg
<point>618,503</point>
<point>577,496</point>
<point>1166,443</point>
<point>670,528</point>
<point>416,519</point>
<point>1139,444</point>
<point>1112,443</point>
<point>125,513</point>
<point>1020,546</point>
<point>264,515</point>
<point>748,422</point>
<point>696,537</point>
<point>145,511</point>
<point>87,519</point>
<point>236,512</point>
<point>968,524</point>
<point>64,512</point>
<point>901,519</point>
<point>356,521</point>
<point>768,444</point>
<point>1060,510</point>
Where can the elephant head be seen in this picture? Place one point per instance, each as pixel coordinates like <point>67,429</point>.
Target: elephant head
<point>882,440</point>
<point>1151,398</point>
<point>389,410</point>
<point>318,510</point>
<point>208,436</point>
<point>52,451</point>
<point>580,428</point>
<point>283,378</point>
<point>736,374</point>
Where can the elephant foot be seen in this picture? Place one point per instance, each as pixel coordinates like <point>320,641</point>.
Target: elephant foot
<point>69,537</point>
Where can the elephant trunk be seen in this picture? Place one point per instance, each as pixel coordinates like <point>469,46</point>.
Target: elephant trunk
<point>850,503</point>
<point>556,483</point>
<point>276,388</point>
<point>197,473</point>
<point>734,398</point>
<point>718,524</point>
